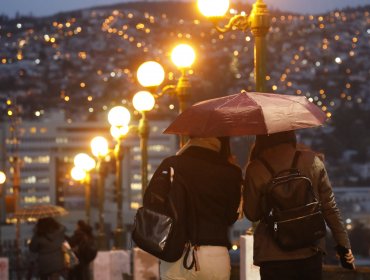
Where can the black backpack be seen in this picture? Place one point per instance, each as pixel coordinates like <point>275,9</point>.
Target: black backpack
<point>87,250</point>
<point>292,209</point>
<point>160,225</point>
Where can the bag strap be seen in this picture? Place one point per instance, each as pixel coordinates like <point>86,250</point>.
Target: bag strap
<point>293,166</point>
<point>193,233</point>
<point>267,165</point>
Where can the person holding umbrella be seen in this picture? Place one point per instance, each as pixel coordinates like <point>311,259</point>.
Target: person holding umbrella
<point>273,118</point>
<point>83,244</point>
<point>278,150</point>
<point>215,187</point>
<point>46,242</point>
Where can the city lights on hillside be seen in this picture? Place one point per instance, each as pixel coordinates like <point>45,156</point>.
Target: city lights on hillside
<point>138,32</point>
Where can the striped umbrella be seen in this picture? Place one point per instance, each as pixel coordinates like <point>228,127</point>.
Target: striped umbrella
<point>39,211</point>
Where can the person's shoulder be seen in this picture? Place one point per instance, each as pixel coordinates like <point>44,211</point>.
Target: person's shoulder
<point>234,168</point>
<point>312,157</point>
<point>169,160</point>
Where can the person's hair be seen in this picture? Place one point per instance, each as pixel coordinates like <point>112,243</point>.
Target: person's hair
<point>85,228</point>
<point>225,150</point>
<point>46,225</point>
<point>264,142</point>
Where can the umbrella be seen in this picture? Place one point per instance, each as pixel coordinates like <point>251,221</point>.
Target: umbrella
<point>39,211</point>
<point>247,113</point>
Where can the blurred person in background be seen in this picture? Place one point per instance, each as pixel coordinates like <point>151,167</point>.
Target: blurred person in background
<point>46,243</point>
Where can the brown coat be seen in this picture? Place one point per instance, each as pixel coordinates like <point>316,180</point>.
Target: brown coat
<point>280,157</point>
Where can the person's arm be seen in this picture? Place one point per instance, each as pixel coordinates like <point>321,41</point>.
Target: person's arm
<point>252,196</point>
<point>33,246</point>
<point>235,189</point>
<point>329,206</point>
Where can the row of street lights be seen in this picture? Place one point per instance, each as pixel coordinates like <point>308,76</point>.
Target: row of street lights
<point>150,75</point>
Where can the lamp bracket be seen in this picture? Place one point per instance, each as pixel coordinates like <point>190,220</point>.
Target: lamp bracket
<point>169,89</point>
<point>241,22</point>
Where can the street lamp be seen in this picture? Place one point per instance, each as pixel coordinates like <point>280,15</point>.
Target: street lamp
<point>2,181</point>
<point>81,172</point>
<point>2,177</point>
<point>259,23</point>
<point>150,74</point>
<point>144,102</point>
<point>119,118</point>
<point>183,56</point>
<point>99,148</point>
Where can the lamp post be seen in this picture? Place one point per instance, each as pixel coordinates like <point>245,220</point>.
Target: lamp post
<point>150,75</point>
<point>143,102</point>
<point>119,118</point>
<point>183,57</point>
<point>81,172</point>
<point>258,22</point>
<point>99,147</point>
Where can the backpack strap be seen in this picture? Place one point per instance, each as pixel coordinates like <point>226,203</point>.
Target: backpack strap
<point>295,159</point>
<point>272,171</point>
<point>267,165</point>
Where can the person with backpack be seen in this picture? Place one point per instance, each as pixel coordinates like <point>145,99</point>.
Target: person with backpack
<point>211,201</point>
<point>278,182</point>
<point>83,244</point>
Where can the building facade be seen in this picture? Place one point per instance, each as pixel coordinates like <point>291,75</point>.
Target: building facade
<point>45,150</point>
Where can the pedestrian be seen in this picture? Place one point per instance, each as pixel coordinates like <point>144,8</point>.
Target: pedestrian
<point>278,150</point>
<point>83,244</point>
<point>215,187</point>
<point>46,242</point>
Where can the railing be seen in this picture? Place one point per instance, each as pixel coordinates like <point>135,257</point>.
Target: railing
<point>333,272</point>
<point>330,272</point>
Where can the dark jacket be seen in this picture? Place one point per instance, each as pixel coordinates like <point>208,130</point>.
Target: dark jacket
<point>84,246</point>
<point>215,186</point>
<point>49,250</point>
<point>280,157</point>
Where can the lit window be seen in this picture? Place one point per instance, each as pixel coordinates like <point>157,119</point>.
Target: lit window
<point>135,186</point>
<point>135,205</point>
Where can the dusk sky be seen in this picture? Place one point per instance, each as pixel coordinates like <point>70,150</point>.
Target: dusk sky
<point>49,7</point>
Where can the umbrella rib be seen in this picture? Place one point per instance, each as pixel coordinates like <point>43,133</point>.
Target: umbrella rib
<point>228,100</point>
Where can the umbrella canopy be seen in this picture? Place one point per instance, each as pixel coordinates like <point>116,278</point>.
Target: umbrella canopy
<point>247,113</point>
<point>39,211</point>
